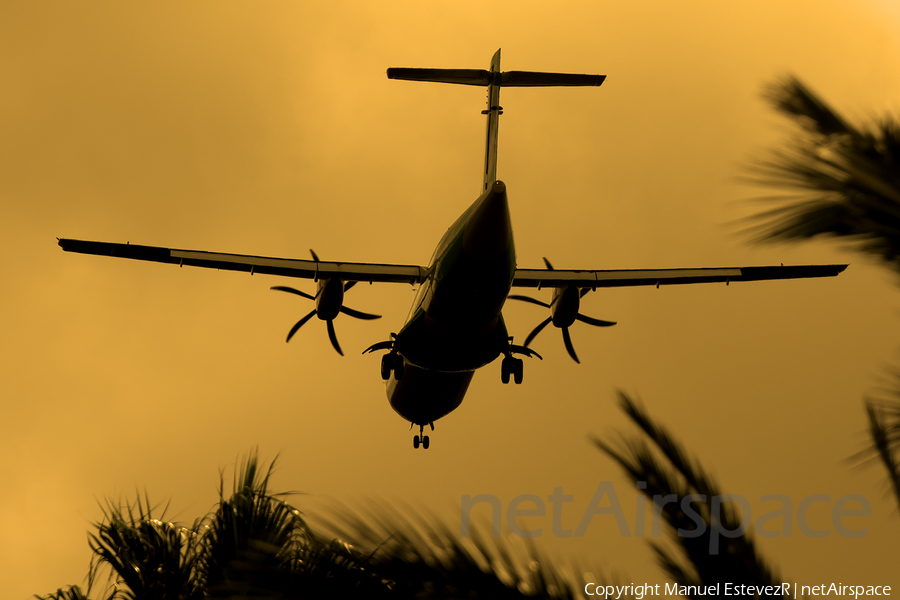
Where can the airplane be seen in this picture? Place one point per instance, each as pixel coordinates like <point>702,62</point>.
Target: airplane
<point>456,325</point>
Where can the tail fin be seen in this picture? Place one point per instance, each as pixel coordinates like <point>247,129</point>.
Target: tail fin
<point>494,80</point>
<point>493,112</point>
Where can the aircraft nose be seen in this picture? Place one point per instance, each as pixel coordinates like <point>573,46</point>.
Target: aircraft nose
<point>488,230</point>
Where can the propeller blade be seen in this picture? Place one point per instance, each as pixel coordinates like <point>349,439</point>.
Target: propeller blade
<point>387,345</point>
<point>594,322</point>
<point>523,350</point>
<point>568,340</point>
<point>358,315</point>
<point>547,262</point>
<point>348,285</point>
<point>299,324</point>
<point>528,299</point>
<point>333,337</point>
<point>313,252</point>
<point>537,330</point>
<point>290,290</point>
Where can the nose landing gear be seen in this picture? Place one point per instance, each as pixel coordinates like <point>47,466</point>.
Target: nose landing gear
<point>422,439</point>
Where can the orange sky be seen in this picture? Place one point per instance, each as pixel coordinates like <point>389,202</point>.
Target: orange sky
<point>270,128</point>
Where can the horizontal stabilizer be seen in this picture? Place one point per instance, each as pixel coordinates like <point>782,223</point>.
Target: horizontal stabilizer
<point>460,76</point>
<point>536,79</point>
<point>483,77</point>
<point>494,79</point>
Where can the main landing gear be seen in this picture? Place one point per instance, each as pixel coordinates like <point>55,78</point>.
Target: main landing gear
<point>512,365</point>
<point>391,362</point>
<point>421,439</point>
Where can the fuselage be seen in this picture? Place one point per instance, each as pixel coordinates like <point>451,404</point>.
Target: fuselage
<point>455,324</point>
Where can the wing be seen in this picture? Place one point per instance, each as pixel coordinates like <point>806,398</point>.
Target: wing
<point>628,277</point>
<point>287,267</point>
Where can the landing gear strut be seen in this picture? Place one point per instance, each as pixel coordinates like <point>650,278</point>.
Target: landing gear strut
<point>422,439</point>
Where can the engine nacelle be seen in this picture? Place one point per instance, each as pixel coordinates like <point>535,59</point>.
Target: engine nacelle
<point>329,298</point>
<point>564,306</point>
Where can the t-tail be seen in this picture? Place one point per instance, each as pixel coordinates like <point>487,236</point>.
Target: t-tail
<point>494,79</point>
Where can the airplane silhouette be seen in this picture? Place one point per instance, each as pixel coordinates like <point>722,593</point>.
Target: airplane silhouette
<point>456,323</point>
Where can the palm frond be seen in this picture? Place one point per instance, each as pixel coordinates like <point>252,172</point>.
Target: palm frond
<point>791,97</point>
<point>257,545</point>
<point>251,537</point>
<point>844,180</point>
<point>152,558</point>
<point>426,559</point>
<point>71,593</point>
<point>660,461</point>
<point>883,416</point>
<point>254,544</point>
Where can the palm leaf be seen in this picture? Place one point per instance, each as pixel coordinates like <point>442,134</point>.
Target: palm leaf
<point>71,593</point>
<point>845,180</point>
<point>257,545</point>
<point>846,183</point>
<point>254,544</point>
<point>657,459</point>
<point>425,558</point>
<point>883,416</point>
<point>251,537</point>
<point>151,558</point>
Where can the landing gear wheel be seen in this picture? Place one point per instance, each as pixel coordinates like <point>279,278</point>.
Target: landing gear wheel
<point>422,438</point>
<point>505,369</point>
<point>518,367</point>
<point>387,365</point>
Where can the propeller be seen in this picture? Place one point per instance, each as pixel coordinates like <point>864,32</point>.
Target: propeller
<point>385,345</point>
<point>329,301</point>
<point>563,313</point>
